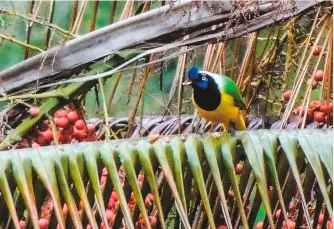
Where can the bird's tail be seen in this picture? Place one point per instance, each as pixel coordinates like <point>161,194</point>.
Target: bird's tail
<point>240,123</point>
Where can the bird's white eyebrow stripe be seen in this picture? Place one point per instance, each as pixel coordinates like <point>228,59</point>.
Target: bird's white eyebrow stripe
<point>218,78</point>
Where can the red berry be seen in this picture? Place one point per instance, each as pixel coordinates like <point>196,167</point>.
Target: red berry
<point>287,95</point>
<point>292,224</point>
<point>153,221</point>
<point>65,210</point>
<point>330,107</point>
<point>321,218</point>
<point>35,145</point>
<point>312,82</point>
<point>148,202</point>
<point>61,122</point>
<point>110,215</point>
<point>140,177</point>
<point>61,113</point>
<point>309,116</point>
<point>68,130</point>
<point>317,50</point>
<point>90,128</point>
<point>47,135</point>
<point>323,108</point>
<point>238,168</point>
<point>44,125</point>
<point>259,225</point>
<point>300,111</point>
<point>111,203</point>
<point>73,116</point>
<point>22,224</point>
<point>79,135</point>
<point>319,75</point>
<point>319,117</point>
<point>278,213</point>
<point>222,227</point>
<point>104,171</point>
<point>114,195</point>
<point>41,140</point>
<point>329,224</point>
<point>34,111</point>
<point>315,105</point>
<point>150,197</point>
<point>63,139</point>
<point>43,223</point>
<point>80,124</point>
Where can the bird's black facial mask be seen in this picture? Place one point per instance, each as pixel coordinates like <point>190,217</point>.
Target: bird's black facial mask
<point>198,79</point>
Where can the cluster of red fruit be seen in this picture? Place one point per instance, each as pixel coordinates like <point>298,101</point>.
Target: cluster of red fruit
<point>68,127</point>
<point>317,111</point>
<point>113,202</point>
<point>314,81</point>
<point>292,224</point>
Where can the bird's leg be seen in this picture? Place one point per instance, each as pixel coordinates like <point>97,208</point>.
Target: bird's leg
<point>231,130</point>
<point>212,127</point>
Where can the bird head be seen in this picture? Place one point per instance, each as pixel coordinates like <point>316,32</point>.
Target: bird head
<point>195,78</point>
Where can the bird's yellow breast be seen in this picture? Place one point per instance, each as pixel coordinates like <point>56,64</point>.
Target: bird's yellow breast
<point>224,113</point>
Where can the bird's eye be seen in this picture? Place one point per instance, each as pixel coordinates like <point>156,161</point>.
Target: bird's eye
<point>203,78</point>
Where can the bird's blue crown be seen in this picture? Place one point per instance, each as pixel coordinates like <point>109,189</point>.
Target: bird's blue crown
<point>193,73</point>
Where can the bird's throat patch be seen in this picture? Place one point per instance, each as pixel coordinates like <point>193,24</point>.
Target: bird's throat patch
<point>208,99</point>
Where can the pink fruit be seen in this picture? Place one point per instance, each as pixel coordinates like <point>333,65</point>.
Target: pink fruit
<point>22,224</point>
<point>61,122</point>
<point>73,116</point>
<point>80,124</point>
<point>114,195</point>
<point>222,227</point>
<point>34,111</point>
<point>292,224</point>
<point>287,95</point>
<point>278,213</point>
<point>153,221</point>
<point>111,203</point>
<point>110,215</point>
<point>259,225</point>
<point>319,75</point>
<point>79,135</point>
<point>61,113</point>
<point>148,203</point>
<point>323,108</point>
<point>317,50</point>
<point>238,168</point>
<point>47,135</point>
<point>321,218</point>
<point>315,105</point>
<point>43,223</point>
<point>90,128</point>
<point>312,82</point>
<point>320,117</point>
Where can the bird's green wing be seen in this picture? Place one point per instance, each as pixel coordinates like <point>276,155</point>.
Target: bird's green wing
<point>232,89</point>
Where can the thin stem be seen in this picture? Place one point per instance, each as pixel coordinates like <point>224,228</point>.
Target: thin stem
<point>105,112</point>
<point>11,39</point>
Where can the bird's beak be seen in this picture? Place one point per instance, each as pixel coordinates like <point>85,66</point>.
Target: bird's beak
<point>186,83</point>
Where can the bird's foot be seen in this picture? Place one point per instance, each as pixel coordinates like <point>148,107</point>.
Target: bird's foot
<point>231,130</point>
<point>212,127</point>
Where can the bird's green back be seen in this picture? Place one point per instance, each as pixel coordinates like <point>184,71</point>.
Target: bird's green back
<point>232,89</point>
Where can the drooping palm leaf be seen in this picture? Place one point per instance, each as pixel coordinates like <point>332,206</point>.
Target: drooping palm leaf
<point>71,175</point>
